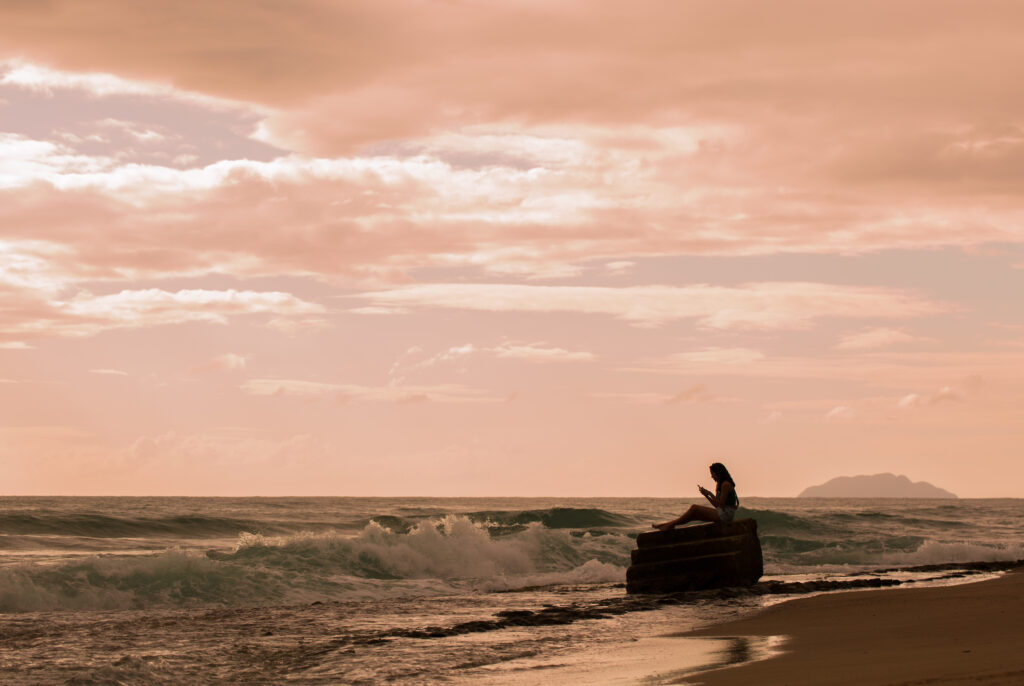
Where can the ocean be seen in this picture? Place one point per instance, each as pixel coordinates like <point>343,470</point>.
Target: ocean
<point>147,590</point>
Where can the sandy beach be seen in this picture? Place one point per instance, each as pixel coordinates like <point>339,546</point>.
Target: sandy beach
<point>966,634</point>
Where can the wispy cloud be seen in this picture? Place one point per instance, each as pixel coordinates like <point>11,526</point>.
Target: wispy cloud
<point>696,394</point>
<point>414,360</point>
<point>442,393</point>
<point>101,84</point>
<point>539,352</point>
<point>767,306</point>
<point>715,357</point>
<point>228,362</point>
<point>841,413</point>
<point>889,370</point>
<point>876,338</point>
<point>943,395</point>
<point>86,314</point>
<point>619,267</point>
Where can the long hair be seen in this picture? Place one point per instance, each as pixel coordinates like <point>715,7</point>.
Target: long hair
<point>721,475</point>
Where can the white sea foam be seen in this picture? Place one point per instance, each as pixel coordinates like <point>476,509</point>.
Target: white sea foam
<point>414,549</point>
<point>97,582</point>
<point>934,552</point>
<point>453,547</point>
<point>452,554</point>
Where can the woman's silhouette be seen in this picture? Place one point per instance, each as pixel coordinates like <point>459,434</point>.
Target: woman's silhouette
<point>724,501</point>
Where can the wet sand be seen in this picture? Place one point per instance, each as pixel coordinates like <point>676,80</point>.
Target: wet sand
<point>967,634</point>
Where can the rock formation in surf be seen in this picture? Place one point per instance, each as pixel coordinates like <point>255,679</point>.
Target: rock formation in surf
<point>875,486</point>
<point>693,558</point>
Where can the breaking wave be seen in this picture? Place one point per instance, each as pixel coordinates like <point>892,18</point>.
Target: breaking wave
<point>512,521</point>
<point>102,561</point>
<point>455,554</point>
<point>831,538</point>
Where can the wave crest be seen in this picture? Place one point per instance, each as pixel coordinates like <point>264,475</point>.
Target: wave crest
<point>455,547</point>
<point>453,554</point>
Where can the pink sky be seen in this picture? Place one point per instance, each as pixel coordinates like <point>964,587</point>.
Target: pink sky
<point>509,248</point>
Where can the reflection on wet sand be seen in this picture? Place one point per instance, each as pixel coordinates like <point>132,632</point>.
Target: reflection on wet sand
<point>730,651</point>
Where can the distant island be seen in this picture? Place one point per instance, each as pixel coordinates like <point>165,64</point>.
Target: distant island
<point>875,486</point>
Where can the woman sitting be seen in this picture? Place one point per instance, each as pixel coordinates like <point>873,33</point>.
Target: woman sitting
<point>724,502</point>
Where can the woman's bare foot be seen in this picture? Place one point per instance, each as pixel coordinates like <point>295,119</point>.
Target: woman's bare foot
<point>665,526</point>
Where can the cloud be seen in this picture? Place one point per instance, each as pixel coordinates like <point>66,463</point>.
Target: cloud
<point>30,267</point>
<point>765,306</point>
<point>137,133</point>
<point>717,356</point>
<point>228,362</point>
<point>841,413</point>
<point>14,72</point>
<point>619,267</point>
<point>159,306</point>
<point>452,353</point>
<point>696,394</point>
<point>538,352</point>
<point>335,78</point>
<point>590,63</point>
<point>669,131</point>
<point>108,372</point>
<point>292,326</point>
<point>24,161</point>
<point>634,398</point>
<point>891,370</point>
<point>382,216</point>
<point>405,364</point>
<point>86,314</point>
<point>443,393</point>
<point>875,338</point>
<point>943,395</point>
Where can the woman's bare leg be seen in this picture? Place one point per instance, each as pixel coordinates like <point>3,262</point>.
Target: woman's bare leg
<point>696,512</point>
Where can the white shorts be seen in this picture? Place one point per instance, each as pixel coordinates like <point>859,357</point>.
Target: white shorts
<point>726,514</point>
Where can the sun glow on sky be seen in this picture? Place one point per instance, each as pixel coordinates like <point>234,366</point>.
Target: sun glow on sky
<point>509,248</point>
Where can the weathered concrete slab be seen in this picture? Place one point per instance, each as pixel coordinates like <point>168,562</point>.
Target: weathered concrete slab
<point>708,546</point>
<point>696,557</point>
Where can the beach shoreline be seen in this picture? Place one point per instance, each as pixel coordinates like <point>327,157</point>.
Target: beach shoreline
<point>963,634</point>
